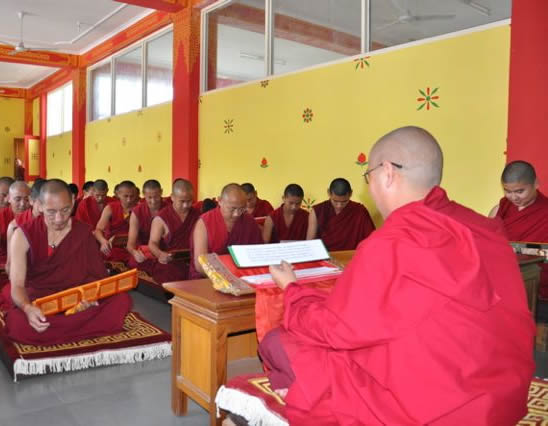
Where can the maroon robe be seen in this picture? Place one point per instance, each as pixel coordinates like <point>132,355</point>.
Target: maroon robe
<point>118,225</point>
<point>89,212</point>
<point>77,260</point>
<point>296,230</point>
<point>343,231</point>
<point>437,332</point>
<point>24,217</point>
<point>6,216</point>
<point>529,224</point>
<point>244,231</point>
<point>177,238</point>
<point>262,208</point>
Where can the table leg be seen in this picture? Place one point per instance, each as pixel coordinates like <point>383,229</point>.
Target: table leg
<point>219,352</point>
<point>179,400</point>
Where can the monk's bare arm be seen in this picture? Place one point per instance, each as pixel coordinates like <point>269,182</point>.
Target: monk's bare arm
<point>312,230</point>
<point>199,238</point>
<point>494,211</point>
<point>158,230</point>
<point>267,229</point>
<point>19,247</point>
<point>132,239</point>
<point>99,231</point>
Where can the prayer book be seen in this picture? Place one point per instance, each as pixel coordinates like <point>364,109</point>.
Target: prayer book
<point>530,248</point>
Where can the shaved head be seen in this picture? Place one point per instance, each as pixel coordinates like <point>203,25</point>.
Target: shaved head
<point>182,196</point>
<point>416,151</point>
<point>182,185</point>
<point>232,189</point>
<point>19,185</point>
<point>151,184</point>
<point>232,202</point>
<point>56,203</point>
<point>19,196</point>
<point>519,171</point>
<point>55,187</point>
<point>100,185</point>
<point>6,180</point>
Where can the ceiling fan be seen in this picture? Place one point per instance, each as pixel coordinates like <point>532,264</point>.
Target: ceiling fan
<point>20,47</point>
<point>407,16</point>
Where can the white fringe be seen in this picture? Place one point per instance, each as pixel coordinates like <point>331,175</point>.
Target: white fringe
<point>95,359</point>
<point>253,409</point>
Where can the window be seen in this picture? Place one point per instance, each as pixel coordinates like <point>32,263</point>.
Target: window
<point>159,71</point>
<point>101,95</point>
<point>128,81</point>
<point>59,110</point>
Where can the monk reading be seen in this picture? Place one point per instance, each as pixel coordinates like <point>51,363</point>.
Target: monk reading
<point>225,225</point>
<point>428,324</point>
<point>18,198</point>
<point>5,183</point>
<point>171,231</point>
<point>140,223</point>
<point>255,206</point>
<point>90,208</point>
<point>53,253</point>
<point>289,221</point>
<point>115,222</point>
<point>524,210</point>
<point>339,222</point>
<point>87,189</point>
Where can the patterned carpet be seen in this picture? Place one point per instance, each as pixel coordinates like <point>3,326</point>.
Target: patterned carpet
<point>538,404</point>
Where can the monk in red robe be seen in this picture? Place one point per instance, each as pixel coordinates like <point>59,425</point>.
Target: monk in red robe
<point>90,209</point>
<point>255,206</point>
<point>289,221</point>
<point>524,210</point>
<point>87,189</point>
<point>18,198</point>
<point>115,222</point>
<point>428,324</point>
<point>171,231</point>
<point>226,225</point>
<point>339,222</point>
<point>50,254</point>
<point>5,183</point>
<point>140,223</point>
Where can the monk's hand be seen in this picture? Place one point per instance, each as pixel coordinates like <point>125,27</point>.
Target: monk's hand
<point>282,274</point>
<point>139,256</point>
<point>106,247</point>
<point>84,304</point>
<point>165,258</point>
<point>36,318</point>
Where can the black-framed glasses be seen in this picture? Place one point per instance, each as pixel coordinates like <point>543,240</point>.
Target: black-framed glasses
<point>366,174</point>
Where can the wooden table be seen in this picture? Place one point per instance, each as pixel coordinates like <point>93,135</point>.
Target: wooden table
<point>210,328</point>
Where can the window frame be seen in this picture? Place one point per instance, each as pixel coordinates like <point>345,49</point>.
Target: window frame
<point>61,112</point>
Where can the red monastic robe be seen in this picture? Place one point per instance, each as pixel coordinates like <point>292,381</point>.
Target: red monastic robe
<point>6,216</point>
<point>244,231</point>
<point>296,230</point>
<point>262,208</point>
<point>24,217</point>
<point>177,238</point>
<point>77,260</point>
<point>118,225</point>
<point>89,211</point>
<point>428,324</point>
<point>345,230</point>
<point>529,224</point>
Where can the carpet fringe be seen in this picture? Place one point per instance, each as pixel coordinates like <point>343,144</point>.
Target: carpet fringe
<point>95,359</point>
<point>253,409</point>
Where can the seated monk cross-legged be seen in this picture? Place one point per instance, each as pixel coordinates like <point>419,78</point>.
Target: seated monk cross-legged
<point>340,222</point>
<point>90,208</point>
<point>288,222</point>
<point>225,225</point>
<point>171,231</point>
<point>52,253</point>
<point>428,323</point>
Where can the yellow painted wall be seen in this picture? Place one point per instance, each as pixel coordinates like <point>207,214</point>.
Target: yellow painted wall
<point>12,122</point>
<point>59,157</point>
<point>36,117</point>
<point>135,146</point>
<point>352,106</point>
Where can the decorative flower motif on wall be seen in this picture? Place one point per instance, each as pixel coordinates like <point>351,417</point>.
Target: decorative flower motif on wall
<point>264,83</point>
<point>308,115</point>
<point>159,137</point>
<point>108,169</point>
<point>361,160</point>
<point>264,163</point>
<point>229,126</point>
<point>124,142</point>
<point>7,129</point>
<point>428,99</point>
<point>140,168</point>
<point>361,63</point>
<point>308,203</point>
<point>70,152</point>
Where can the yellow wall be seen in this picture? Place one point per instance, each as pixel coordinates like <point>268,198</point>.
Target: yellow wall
<point>135,146</point>
<point>36,117</point>
<point>12,121</point>
<point>59,157</point>
<point>352,107</point>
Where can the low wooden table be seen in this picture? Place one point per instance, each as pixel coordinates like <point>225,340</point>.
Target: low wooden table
<point>210,328</point>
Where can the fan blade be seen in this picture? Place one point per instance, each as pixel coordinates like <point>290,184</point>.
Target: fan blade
<point>8,43</point>
<point>390,24</point>
<point>432,17</point>
<point>41,48</point>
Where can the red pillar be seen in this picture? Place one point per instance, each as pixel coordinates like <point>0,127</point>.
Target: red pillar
<point>186,90</point>
<point>528,96</point>
<point>79,126</point>
<point>28,117</point>
<point>43,133</point>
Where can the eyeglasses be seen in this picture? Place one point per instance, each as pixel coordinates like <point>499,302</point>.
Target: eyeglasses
<point>366,174</point>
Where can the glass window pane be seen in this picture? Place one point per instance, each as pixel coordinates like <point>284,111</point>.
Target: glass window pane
<point>236,43</point>
<point>310,32</point>
<point>55,112</point>
<point>67,108</point>
<point>401,21</point>
<point>128,81</point>
<point>160,69</point>
<point>100,80</point>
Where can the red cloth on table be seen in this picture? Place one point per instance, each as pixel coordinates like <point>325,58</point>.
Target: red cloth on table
<point>178,237</point>
<point>428,324</point>
<point>529,224</point>
<point>244,231</point>
<point>262,208</point>
<point>296,230</point>
<point>345,230</point>
<point>75,261</point>
<point>89,212</point>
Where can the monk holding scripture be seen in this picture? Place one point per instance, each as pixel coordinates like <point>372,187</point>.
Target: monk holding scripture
<point>340,222</point>
<point>171,231</point>
<point>427,325</point>
<point>5,183</point>
<point>288,222</point>
<point>53,253</point>
<point>255,206</point>
<point>225,225</point>
<point>90,208</point>
<point>524,210</point>
<point>18,197</point>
